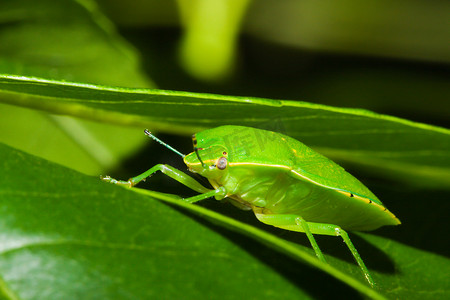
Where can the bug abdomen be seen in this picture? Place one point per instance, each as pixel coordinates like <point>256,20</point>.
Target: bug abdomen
<point>325,205</point>
<point>277,192</point>
<point>267,188</point>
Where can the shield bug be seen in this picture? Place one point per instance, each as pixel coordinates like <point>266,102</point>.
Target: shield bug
<point>285,183</point>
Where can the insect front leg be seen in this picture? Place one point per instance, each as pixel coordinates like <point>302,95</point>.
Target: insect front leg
<point>218,193</point>
<point>170,171</point>
<point>179,176</point>
<point>297,223</point>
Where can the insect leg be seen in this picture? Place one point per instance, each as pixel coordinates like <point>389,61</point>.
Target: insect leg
<point>300,221</point>
<point>330,229</point>
<point>355,253</point>
<point>218,194</point>
<point>170,171</point>
<point>296,223</point>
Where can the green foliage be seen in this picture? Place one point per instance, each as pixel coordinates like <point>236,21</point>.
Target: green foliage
<point>388,144</point>
<point>72,198</point>
<point>68,235</point>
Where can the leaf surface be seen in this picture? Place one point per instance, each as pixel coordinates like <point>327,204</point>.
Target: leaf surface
<point>397,148</point>
<point>68,235</point>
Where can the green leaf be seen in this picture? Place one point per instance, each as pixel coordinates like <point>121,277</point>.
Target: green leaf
<point>66,235</point>
<point>394,147</point>
<point>39,38</point>
<point>418,274</point>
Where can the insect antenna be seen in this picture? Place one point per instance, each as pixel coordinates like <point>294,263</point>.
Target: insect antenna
<point>148,133</point>
<point>194,143</point>
<point>198,156</point>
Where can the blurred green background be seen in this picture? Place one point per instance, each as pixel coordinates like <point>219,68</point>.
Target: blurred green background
<point>388,57</point>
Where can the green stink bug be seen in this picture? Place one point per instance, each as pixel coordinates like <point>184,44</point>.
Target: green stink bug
<point>285,183</point>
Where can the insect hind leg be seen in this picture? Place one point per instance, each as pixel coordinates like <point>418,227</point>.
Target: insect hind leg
<point>292,223</point>
<point>297,223</point>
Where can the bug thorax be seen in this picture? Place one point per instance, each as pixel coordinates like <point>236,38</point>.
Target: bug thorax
<point>211,162</point>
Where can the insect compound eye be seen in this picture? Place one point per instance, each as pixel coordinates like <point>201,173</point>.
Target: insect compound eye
<point>222,163</point>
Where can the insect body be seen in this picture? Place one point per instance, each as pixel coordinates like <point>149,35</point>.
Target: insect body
<point>285,183</point>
